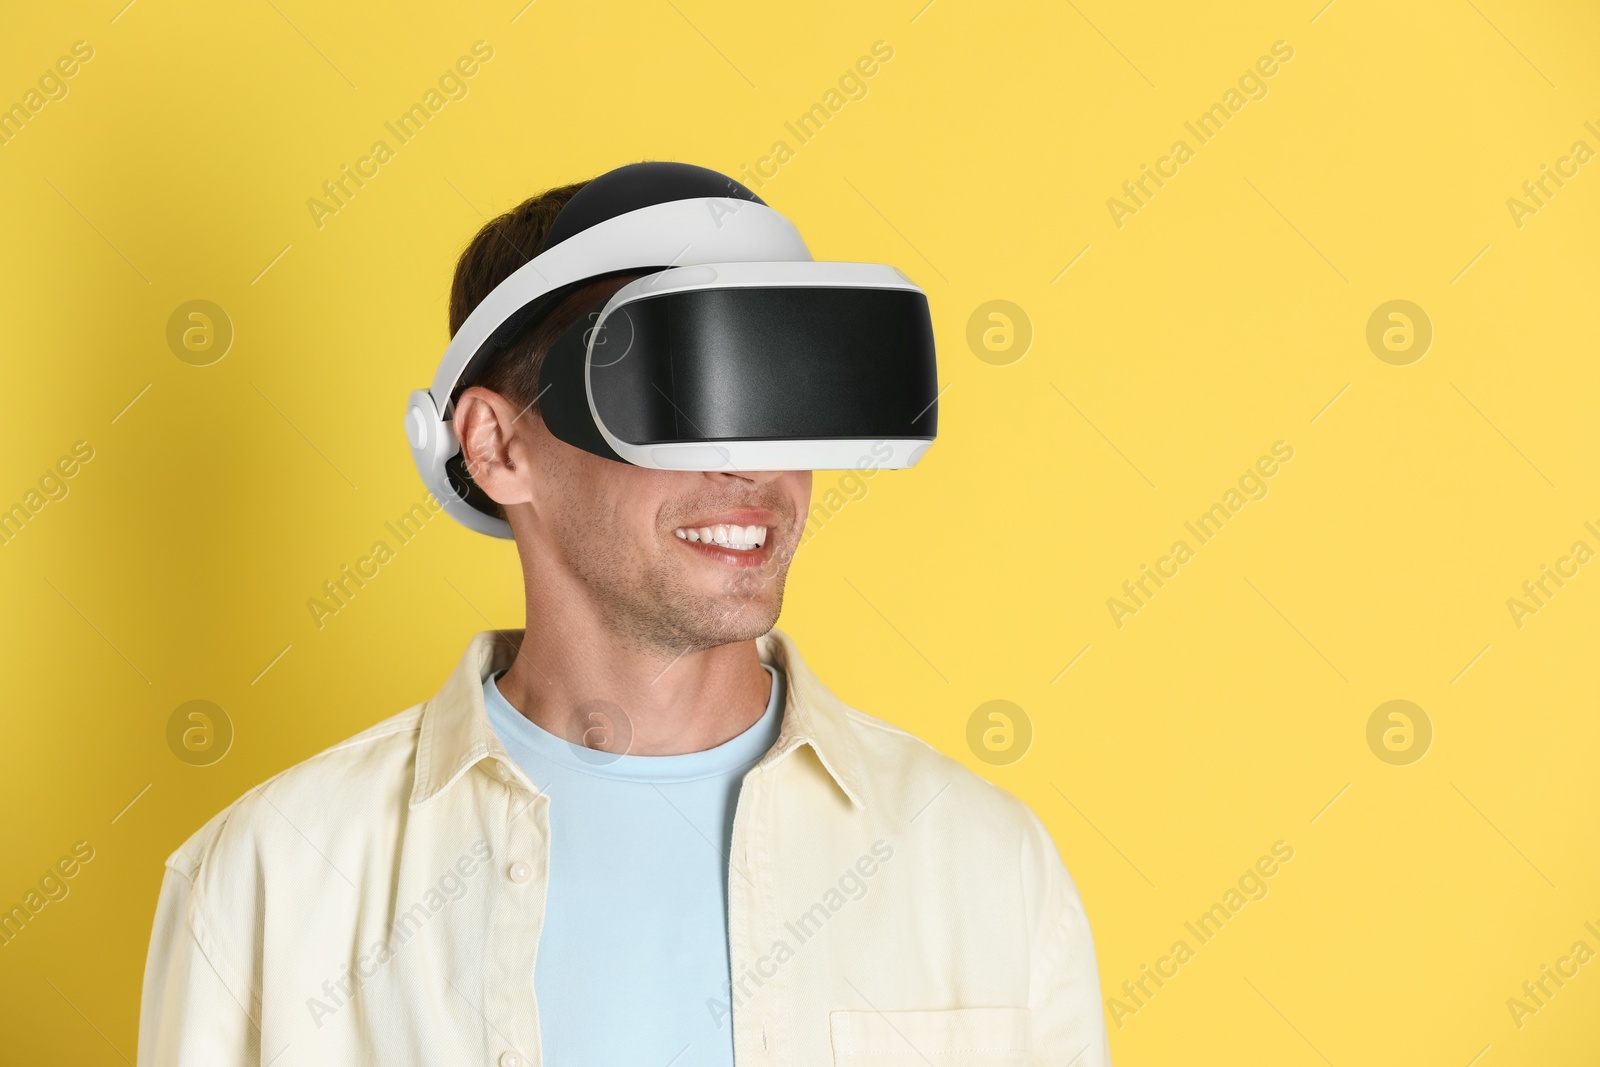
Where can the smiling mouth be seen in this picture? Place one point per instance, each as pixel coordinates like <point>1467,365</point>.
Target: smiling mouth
<point>736,538</point>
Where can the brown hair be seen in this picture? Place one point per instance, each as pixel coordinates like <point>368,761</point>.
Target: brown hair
<point>502,246</point>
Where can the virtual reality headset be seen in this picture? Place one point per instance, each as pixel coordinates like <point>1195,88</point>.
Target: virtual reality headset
<point>735,351</point>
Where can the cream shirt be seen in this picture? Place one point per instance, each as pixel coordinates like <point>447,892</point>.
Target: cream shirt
<point>382,903</point>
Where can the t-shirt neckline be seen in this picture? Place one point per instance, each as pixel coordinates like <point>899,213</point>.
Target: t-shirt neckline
<point>739,752</point>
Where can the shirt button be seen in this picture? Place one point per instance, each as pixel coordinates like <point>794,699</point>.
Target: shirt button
<point>505,776</point>
<point>519,873</point>
<point>510,1059</point>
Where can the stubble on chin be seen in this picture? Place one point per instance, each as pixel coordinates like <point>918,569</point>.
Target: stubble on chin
<point>655,609</point>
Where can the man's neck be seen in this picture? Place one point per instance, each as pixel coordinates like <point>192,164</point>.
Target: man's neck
<point>576,680</point>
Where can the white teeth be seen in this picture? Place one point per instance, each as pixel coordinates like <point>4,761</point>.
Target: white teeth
<point>740,538</point>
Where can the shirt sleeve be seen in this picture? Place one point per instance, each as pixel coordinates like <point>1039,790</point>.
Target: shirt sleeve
<point>1069,1028</point>
<point>188,1016</point>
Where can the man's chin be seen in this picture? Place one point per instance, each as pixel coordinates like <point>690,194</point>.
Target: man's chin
<point>676,613</point>
<point>727,620</point>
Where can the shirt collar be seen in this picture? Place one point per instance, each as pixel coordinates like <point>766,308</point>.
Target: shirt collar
<point>456,733</point>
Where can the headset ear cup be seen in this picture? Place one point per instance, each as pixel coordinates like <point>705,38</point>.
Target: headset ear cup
<point>563,400</point>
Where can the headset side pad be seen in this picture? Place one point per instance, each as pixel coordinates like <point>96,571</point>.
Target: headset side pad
<point>563,398</point>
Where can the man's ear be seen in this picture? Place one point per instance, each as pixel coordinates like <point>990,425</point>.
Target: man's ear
<point>496,453</point>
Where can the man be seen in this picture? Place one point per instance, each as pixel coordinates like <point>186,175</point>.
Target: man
<point>639,831</point>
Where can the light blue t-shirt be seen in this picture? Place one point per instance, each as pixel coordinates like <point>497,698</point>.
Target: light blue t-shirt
<point>635,941</point>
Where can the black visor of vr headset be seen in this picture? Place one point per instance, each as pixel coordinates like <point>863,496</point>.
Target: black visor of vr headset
<point>734,352</point>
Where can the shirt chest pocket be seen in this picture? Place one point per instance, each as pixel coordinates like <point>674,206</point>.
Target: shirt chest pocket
<point>979,1037</point>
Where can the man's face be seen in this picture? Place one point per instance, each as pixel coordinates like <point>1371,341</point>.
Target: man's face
<point>674,560</point>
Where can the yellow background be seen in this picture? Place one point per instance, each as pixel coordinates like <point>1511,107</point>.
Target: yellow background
<point>1223,317</point>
